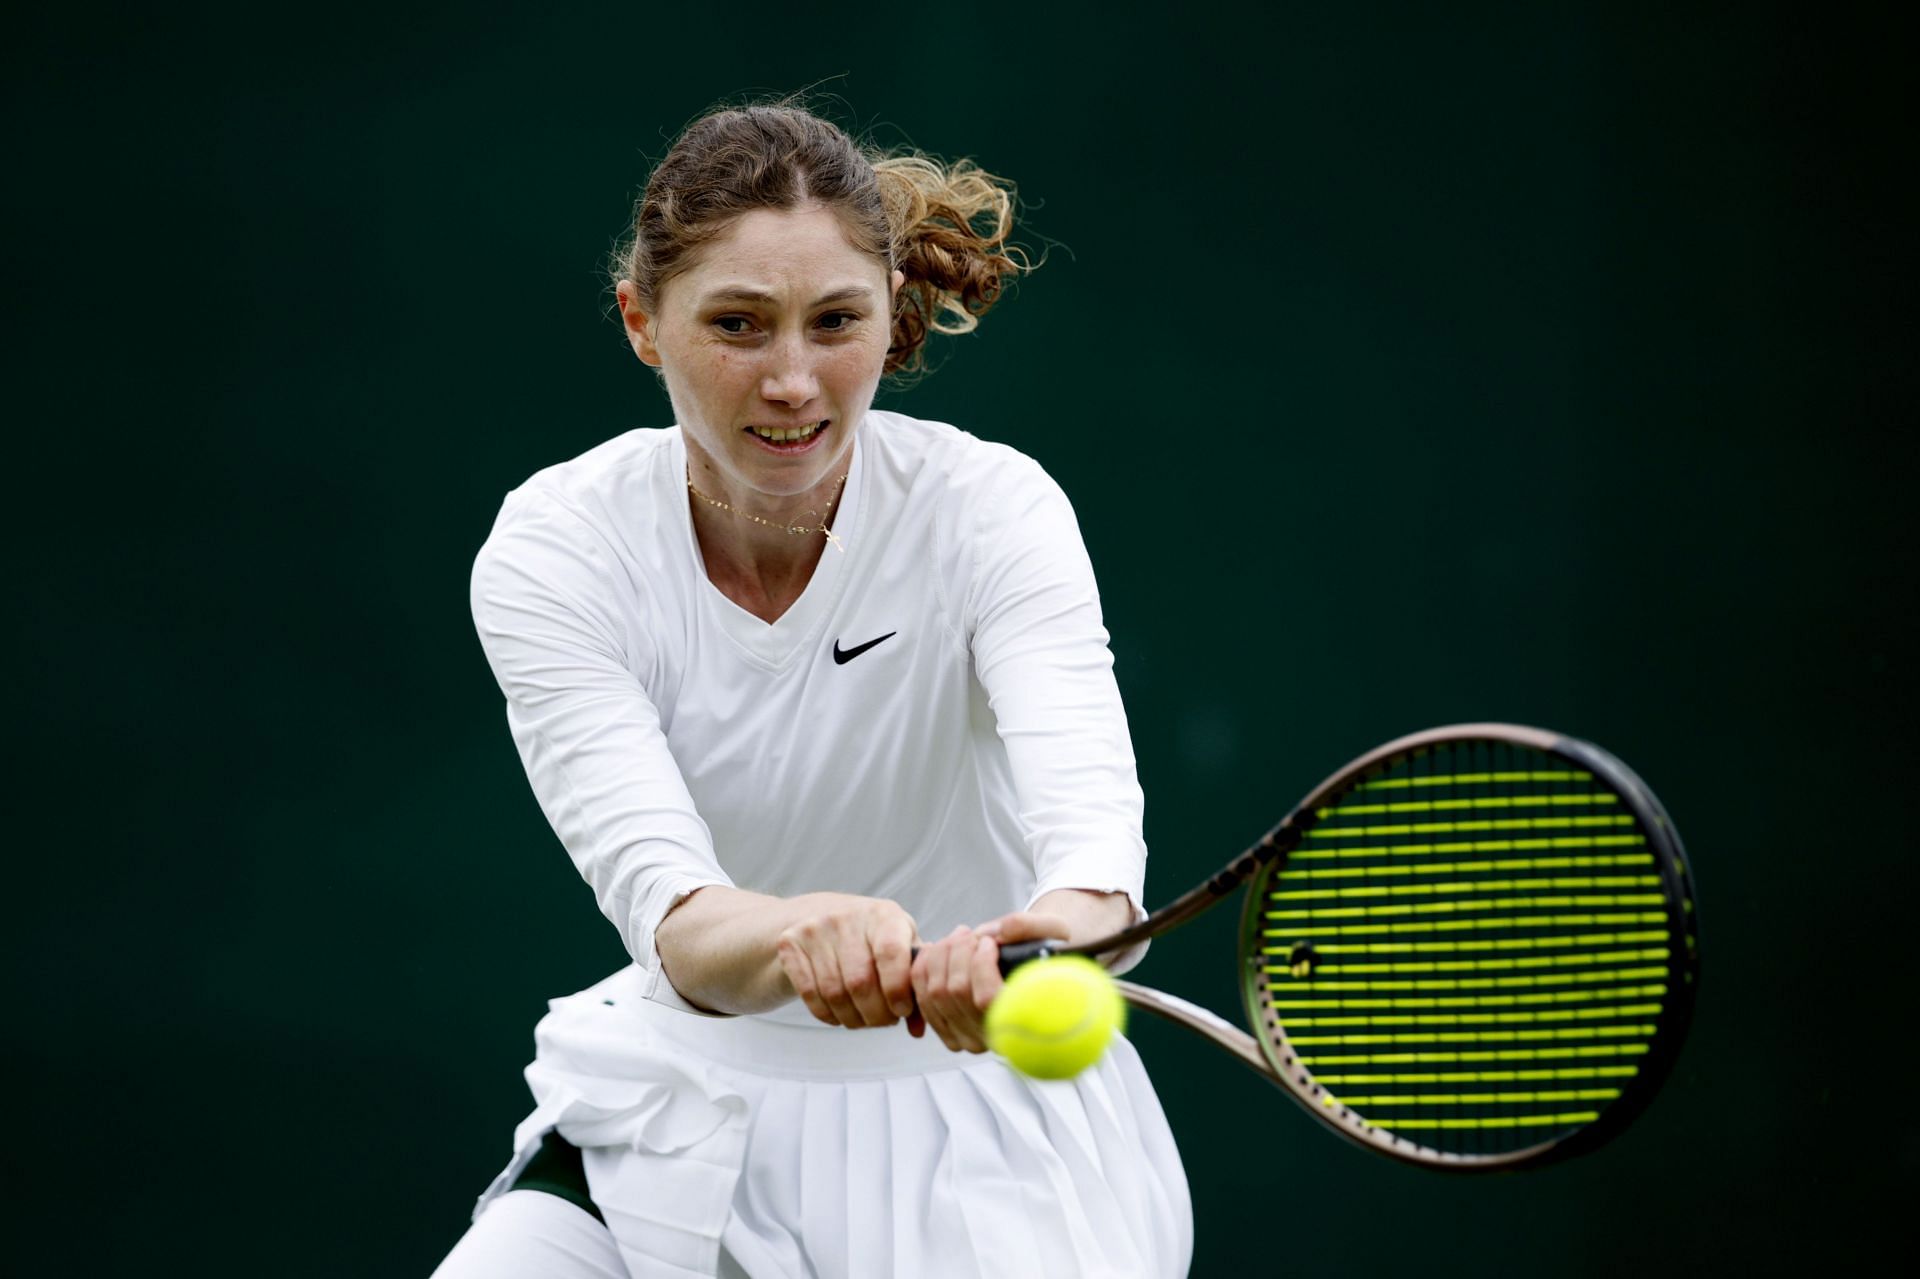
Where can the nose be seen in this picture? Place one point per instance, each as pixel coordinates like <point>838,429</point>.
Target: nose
<point>790,378</point>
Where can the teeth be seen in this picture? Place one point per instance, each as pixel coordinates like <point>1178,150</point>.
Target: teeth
<point>782,435</point>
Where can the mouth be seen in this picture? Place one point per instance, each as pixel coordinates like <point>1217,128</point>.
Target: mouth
<point>790,440</point>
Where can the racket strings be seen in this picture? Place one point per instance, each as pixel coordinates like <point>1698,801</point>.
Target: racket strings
<point>1470,949</point>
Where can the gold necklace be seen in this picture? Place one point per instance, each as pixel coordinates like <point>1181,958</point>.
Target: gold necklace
<point>838,545</point>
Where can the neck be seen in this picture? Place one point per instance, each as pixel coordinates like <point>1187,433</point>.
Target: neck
<point>762,567</point>
<point>760,576</point>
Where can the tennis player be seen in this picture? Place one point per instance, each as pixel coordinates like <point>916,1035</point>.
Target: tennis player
<point>802,686</point>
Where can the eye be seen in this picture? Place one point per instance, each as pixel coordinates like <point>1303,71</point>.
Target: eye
<point>733,325</point>
<point>838,321</point>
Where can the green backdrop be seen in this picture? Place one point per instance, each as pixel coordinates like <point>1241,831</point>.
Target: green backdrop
<point>1405,365</point>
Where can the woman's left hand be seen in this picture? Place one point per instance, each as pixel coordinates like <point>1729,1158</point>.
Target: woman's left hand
<point>954,979</point>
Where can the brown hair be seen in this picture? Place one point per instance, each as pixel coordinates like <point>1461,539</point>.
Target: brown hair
<point>944,227</point>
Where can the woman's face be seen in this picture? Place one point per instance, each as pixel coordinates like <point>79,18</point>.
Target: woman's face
<point>779,328</point>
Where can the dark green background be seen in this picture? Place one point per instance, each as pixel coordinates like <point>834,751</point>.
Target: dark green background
<point>1405,366</point>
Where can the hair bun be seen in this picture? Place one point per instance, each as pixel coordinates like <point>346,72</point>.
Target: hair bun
<point>949,230</point>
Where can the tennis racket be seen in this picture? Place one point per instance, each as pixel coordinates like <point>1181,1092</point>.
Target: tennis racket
<point>1472,948</point>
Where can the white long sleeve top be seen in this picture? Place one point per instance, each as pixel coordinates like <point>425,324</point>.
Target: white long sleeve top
<point>970,755</point>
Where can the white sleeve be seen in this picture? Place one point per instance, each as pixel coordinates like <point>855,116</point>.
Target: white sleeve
<point>1032,613</point>
<point>545,606</point>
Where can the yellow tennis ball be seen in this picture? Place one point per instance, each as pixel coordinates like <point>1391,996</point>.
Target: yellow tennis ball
<point>1055,1016</point>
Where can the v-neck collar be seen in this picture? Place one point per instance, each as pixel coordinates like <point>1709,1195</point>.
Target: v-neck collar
<point>773,644</point>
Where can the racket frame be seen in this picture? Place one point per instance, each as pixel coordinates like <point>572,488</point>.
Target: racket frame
<point>1683,961</point>
<point>1270,1056</point>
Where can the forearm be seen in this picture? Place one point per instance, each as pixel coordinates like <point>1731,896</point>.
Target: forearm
<point>719,948</point>
<point>846,957</point>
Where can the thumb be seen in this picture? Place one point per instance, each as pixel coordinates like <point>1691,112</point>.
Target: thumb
<point>1024,925</point>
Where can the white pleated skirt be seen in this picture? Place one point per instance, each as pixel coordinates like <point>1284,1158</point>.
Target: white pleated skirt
<point>809,1150</point>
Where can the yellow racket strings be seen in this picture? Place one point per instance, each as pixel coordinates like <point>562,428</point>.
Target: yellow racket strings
<point>1470,948</point>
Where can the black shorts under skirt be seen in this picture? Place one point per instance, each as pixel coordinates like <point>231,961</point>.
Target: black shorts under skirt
<point>557,1169</point>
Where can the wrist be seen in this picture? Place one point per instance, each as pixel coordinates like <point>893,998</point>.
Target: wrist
<point>1090,914</point>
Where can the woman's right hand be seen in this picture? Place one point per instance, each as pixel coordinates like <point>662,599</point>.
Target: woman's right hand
<point>850,959</point>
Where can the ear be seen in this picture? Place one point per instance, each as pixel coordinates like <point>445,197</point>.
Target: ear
<point>893,285</point>
<point>639,325</point>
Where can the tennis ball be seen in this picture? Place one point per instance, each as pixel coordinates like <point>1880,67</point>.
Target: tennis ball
<point>1054,1016</point>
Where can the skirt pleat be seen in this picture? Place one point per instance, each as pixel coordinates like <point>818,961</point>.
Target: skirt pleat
<point>869,1213</point>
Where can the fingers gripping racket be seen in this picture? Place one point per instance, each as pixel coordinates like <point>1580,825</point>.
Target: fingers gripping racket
<point>1472,948</point>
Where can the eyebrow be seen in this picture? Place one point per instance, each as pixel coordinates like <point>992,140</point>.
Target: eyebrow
<point>741,293</point>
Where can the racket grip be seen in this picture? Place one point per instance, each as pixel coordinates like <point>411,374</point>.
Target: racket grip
<point>1020,952</point>
<point>1016,953</point>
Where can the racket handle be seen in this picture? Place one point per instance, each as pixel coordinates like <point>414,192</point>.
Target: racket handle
<point>1018,953</point>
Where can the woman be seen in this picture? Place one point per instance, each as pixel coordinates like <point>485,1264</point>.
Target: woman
<point>802,686</point>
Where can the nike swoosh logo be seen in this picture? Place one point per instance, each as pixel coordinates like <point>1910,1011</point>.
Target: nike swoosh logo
<point>841,656</point>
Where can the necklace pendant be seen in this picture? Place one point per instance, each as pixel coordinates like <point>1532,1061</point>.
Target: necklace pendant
<point>838,545</point>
